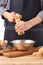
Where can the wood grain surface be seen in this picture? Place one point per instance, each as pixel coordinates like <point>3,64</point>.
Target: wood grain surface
<point>22,60</point>
<point>14,53</point>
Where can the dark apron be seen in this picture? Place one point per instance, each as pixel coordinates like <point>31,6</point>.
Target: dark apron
<point>28,9</point>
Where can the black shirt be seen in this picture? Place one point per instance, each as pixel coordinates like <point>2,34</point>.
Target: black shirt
<point>27,8</point>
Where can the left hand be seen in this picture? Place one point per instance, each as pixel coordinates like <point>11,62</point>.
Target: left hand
<point>22,26</point>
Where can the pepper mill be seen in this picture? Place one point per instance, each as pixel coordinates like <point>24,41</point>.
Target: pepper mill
<point>18,19</point>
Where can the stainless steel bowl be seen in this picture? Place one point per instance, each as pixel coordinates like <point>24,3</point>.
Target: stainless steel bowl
<point>23,44</point>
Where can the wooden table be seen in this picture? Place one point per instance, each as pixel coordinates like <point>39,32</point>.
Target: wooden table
<point>24,60</point>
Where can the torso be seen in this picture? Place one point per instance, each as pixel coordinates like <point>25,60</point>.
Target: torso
<point>28,9</point>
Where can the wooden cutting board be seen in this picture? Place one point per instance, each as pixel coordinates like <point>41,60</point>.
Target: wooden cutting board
<point>15,53</point>
<point>24,60</point>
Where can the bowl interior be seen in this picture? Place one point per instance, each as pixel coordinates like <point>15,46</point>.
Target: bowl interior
<point>23,41</point>
<point>29,41</point>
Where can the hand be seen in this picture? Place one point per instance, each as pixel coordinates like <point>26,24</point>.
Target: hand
<point>26,25</point>
<point>22,26</point>
<point>11,17</point>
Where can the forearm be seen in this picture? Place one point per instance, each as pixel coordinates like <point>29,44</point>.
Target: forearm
<point>34,21</point>
<point>38,19</point>
<point>24,26</point>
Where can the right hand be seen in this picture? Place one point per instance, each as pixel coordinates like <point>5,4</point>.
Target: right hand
<point>11,17</point>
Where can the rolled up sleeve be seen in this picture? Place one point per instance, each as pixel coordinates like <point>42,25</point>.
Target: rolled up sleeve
<point>40,14</point>
<point>4,5</point>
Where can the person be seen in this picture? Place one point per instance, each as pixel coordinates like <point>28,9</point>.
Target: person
<point>31,22</point>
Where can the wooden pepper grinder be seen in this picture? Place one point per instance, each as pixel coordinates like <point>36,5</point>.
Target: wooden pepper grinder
<point>18,19</point>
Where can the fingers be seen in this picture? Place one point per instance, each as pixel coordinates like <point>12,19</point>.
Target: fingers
<point>11,17</point>
<point>19,24</point>
<point>20,27</point>
<point>14,17</point>
<point>13,14</point>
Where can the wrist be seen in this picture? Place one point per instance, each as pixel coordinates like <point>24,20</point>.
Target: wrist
<point>38,18</point>
<point>28,25</point>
